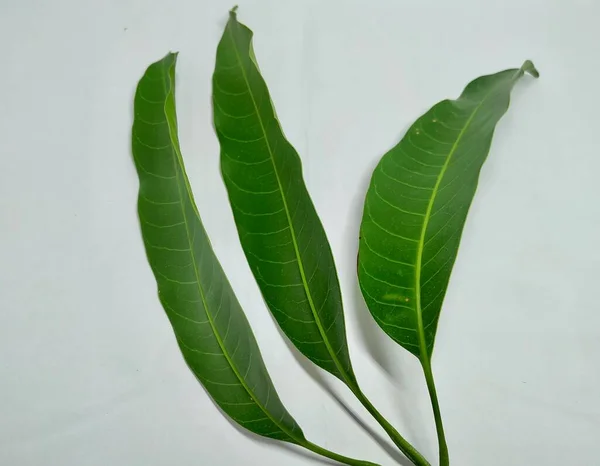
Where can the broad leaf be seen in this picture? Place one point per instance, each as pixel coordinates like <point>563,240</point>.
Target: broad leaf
<point>415,211</point>
<point>281,235</point>
<point>416,206</point>
<point>209,324</point>
<point>279,229</point>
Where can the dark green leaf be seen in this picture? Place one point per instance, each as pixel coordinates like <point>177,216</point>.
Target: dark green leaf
<point>281,234</point>
<point>415,211</point>
<point>211,328</point>
<point>416,207</point>
<point>283,239</point>
<point>209,324</point>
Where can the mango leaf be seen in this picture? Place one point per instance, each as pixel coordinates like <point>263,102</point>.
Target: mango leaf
<point>415,211</point>
<point>209,324</point>
<point>280,232</point>
<point>416,206</point>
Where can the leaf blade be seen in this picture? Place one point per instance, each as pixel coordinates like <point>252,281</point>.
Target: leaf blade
<point>209,324</point>
<point>416,207</point>
<point>281,234</point>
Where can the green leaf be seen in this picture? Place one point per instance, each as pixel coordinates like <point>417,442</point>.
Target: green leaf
<point>281,234</point>
<point>415,211</point>
<point>211,328</point>
<point>209,324</point>
<point>416,206</point>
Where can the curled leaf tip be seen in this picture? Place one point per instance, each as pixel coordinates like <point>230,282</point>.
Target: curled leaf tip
<point>233,11</point>
<point>529,67</point>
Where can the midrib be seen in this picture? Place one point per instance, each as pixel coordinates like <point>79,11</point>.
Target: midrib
<point>334,358</point>
<point>420,328</point>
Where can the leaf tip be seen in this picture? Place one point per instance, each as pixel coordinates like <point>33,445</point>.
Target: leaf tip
<point>529,67</point>
<point>233,12</point>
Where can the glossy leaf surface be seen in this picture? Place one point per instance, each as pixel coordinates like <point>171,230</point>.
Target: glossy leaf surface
<point>281,234</point>
<point>212,331</point>
<point>416,207</point>
<point>211,328</point>
<point>279,229</point>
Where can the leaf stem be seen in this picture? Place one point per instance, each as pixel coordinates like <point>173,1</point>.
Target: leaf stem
<point>405,447</point>
<point>334,456</point>
<point>439,427</point>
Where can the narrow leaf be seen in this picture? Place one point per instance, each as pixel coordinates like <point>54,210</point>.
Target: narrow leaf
<point>209,324</point>
<point>416,206</point>
<point>279,229</point>
<point>281,234</point>
<point>211,328</point>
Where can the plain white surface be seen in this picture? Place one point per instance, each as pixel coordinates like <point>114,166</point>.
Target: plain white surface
<point>90,373</point>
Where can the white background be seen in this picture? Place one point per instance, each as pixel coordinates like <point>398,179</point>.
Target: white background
<point>90,374</point>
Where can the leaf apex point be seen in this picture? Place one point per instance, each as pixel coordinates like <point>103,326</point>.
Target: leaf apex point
<point>530,68</point>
